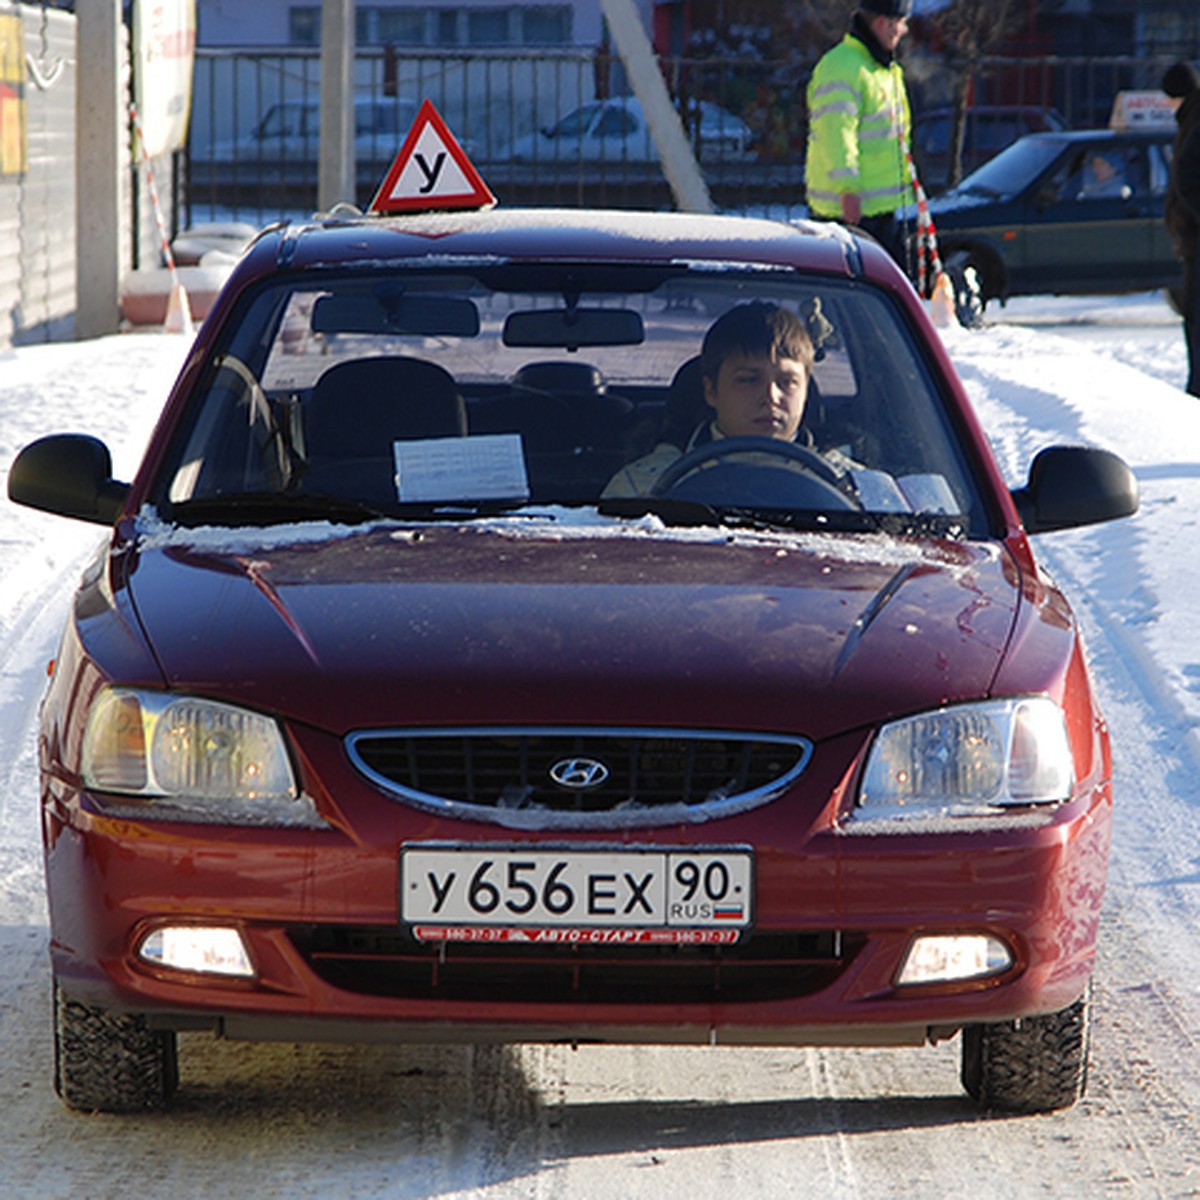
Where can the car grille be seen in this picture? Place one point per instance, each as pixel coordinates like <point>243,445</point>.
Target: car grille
<point>387,962</point>
<point>580,778</point>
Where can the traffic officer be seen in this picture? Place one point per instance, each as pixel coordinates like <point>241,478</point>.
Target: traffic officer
<point>859,123</point>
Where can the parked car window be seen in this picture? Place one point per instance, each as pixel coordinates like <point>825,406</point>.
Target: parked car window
<point>287,120</point>
<point>577,123</point>
<point>616,122</point>
<point>990,135</point>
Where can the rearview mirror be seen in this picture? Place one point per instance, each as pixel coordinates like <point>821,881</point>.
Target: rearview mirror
<point>570,328</point>
<point>1045,196</point>
<point>426,316</point>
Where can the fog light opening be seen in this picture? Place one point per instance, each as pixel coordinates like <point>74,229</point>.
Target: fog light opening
<point>198,949</point>
<point>945,958</point>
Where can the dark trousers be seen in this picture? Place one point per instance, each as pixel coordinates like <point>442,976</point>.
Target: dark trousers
<point>889,233</point>
<point>885,229</point>
<point>1191,320</point>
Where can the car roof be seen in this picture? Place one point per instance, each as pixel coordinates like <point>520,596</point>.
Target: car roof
<point>542,235</point>
<point>991,110</point>
<point>1083,136</point>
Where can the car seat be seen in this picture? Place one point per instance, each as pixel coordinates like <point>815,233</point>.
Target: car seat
<point>573,429</point>
<point>358,409</point>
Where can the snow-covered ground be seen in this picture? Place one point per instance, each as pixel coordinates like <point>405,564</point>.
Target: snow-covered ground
<point>607,1122</point>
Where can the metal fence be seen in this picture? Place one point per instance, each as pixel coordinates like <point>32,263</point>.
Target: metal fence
<point>253,145</point>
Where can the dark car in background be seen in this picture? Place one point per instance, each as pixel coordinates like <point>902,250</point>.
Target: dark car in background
<point>990,128</point>
<point>1066,213</point>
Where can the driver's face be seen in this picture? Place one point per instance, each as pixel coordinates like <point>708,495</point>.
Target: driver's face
<point>758,396</point>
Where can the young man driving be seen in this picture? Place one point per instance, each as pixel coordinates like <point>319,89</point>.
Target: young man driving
<point>755,361</point>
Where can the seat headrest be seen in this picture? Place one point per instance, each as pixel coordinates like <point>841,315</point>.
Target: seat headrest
<point>686,406</point>
<point>575,377</point>
<point>383,400</point>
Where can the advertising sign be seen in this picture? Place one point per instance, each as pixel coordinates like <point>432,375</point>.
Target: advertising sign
<point>164,34</point>
<point>12,96</point>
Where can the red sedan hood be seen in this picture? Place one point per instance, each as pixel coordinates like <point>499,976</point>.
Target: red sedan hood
<point>472,625</point>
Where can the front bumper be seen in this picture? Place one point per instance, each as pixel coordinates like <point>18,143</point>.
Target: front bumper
<point>318,912</point>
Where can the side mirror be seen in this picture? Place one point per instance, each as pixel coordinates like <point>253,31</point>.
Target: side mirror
<point>1070,486</point>
<point>1045,196</point>
<point>69,474</point>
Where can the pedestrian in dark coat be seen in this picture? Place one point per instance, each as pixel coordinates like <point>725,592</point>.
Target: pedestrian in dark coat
<point>1182,210</point>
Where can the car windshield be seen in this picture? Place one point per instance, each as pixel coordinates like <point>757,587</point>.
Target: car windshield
<point>435,394</point>
<point>575,124</point>
<point>1014,168</point>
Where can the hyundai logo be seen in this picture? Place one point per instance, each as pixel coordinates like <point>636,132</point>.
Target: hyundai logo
<point>579,774</point>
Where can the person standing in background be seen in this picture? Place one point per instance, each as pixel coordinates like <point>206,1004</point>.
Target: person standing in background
<point>1181,212</point>
<point>857,170</point>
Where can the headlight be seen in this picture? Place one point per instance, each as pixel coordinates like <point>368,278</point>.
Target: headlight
<point>968,760</point>
<point>190,759</point>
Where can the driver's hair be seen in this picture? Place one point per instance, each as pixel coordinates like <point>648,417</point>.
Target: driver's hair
<point>754,329</point>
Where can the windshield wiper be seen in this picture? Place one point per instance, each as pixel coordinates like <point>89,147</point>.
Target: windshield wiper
<point>271,508</point>
<point>468,510</point>
<point>690,512</point>
<point>693,513</point>
<point>670,512</point>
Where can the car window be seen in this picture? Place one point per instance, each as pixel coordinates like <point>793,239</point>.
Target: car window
<point>575,124</point>
<point>616,123</point>
<point>1015,168</point>
<point>988,135</point>
<point>284,120</point>
<point>934,134</point>
<point>501,384</point>
<point>1104,171</point>
<point>1159,166</point>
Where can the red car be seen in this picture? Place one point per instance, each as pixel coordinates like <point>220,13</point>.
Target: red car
<point>402,706</point>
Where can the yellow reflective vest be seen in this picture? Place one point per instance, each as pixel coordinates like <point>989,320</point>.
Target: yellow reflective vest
<point>858,129</point>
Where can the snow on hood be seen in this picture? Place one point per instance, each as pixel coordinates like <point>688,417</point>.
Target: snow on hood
<point>538,622</point>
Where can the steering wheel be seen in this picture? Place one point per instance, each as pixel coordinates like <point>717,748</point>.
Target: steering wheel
<point>704,475</point>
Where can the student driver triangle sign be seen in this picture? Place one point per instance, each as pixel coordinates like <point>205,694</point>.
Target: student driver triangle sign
<point>431,171</point>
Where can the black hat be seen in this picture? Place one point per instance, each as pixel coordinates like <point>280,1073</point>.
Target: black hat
<point>887,8</point>
<point>1180,80</point>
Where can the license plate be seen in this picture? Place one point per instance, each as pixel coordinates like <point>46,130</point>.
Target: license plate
<point>471,887</point>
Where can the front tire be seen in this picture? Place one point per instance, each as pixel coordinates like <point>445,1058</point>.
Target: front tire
<point>970,299</point>
<point>1034,1064</point>
<point>110,1062</point>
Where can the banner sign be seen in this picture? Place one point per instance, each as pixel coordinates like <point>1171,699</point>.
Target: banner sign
<point>164,38</point>
<point>13,136</point>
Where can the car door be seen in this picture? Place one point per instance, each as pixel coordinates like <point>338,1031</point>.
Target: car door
<point>1088,222</point>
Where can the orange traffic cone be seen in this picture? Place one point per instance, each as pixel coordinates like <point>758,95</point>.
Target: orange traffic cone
<point>179,311</point>
<point>941,303</point>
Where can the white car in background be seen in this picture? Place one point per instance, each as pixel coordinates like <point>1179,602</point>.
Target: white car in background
<point>281,152</point>
<point>290,131</point>
<point>616,130</point>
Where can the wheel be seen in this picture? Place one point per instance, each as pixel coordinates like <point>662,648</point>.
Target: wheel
<point>1034,1064</point>
<point>967,279</point>
<point>110,1062</point>
<point>704,475</point>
